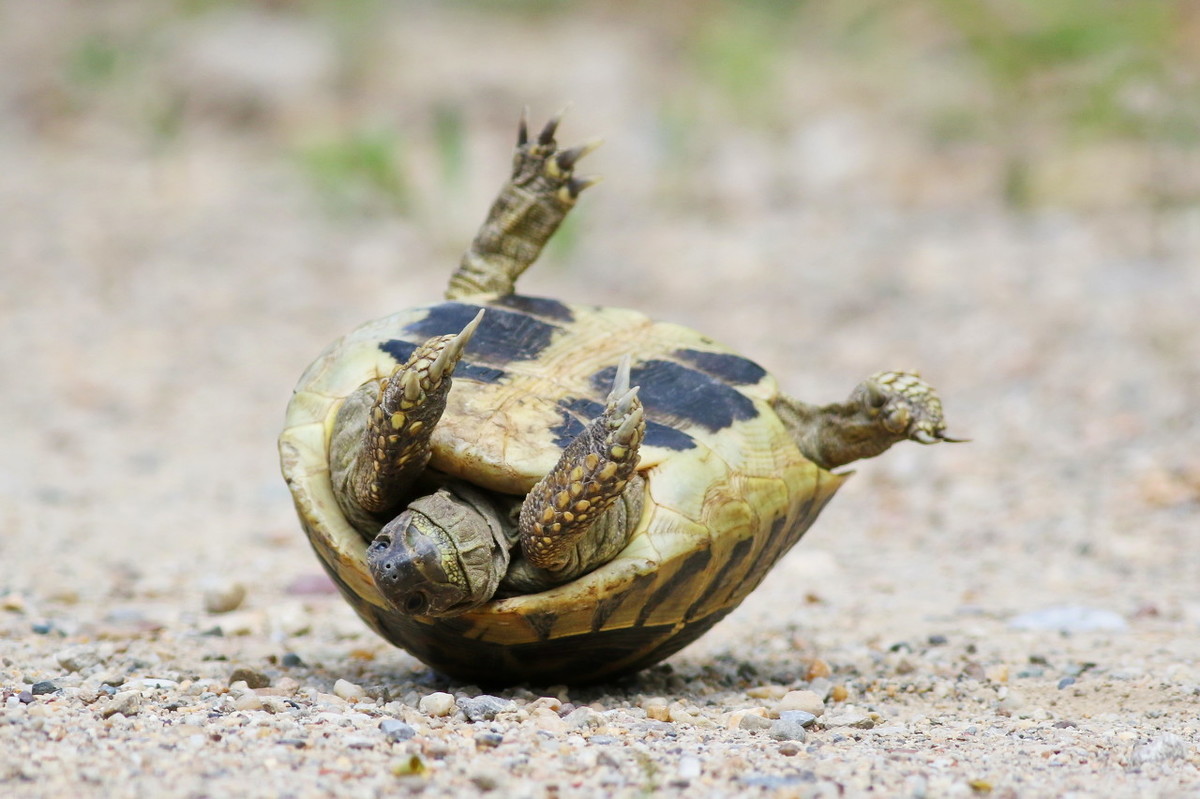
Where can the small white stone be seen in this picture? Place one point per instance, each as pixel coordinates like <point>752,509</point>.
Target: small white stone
<point>248,701</point>
<point>347,690</point>
<point>689,767</point>
<point>808,701</point>
<point>437,703</point>
<point>222,596</point>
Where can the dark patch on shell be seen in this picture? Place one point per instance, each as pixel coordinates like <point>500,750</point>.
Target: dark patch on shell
<point>733,369</point>
<point>503,336</point>
<point>692,565</point>
<point>400,350</point>
<point>605,608</point>
<point>537,306</point>
<point>739,552</point>
<point>542,623</point>
<point>577,412</point>
<point>679,394</point>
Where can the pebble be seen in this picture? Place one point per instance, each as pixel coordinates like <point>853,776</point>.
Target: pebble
<point>396,730</point>
<point>13,601</point>
<point>821,687</point>
<point>1065,682</point>
<point>248,701</point>
<point>127,703</point>
<point>808,701</point>
<point>1069,619</point>
<point>223,596</point>
<point>689,767</point>
<point>312,584</point>
<point>77,658</point>
<point>290,660</point>
<point>437,703</point>
<point>754,722</point>
<point>582,717</point>
<point>43,687</point>
<point>818,669</point>
<point>252,678</point>
<point>484,707</point>
<point>656,708</point>
<point>487,739</point>
<point>486,779</point>
<point>849,717</point>
<point>788,729</point>
<point>767,692</point>
<point>344,689</point>
<point>801,717</point>
<point>1167,746</point>
<point>156,682</point>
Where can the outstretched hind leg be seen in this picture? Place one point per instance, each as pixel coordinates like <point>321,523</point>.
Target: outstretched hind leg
<point>530,207</point>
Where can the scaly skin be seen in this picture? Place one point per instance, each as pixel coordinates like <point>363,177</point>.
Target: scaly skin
<point>381,441</point>
<point>530,207</point>
<point>884,409</point>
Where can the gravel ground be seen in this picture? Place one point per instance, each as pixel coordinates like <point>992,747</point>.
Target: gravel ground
<point>1013,617</point>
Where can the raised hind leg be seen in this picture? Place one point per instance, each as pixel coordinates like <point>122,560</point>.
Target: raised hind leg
<point>530,207</point>
<point>884,409</point>
<point>380,444</point>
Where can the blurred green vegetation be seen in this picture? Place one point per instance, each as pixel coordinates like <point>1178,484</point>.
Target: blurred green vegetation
<point>359,171</point>
<point>1034,79</point>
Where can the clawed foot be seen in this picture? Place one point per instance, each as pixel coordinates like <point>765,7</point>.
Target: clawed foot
<point>904,405</point>
<point>539,166</point>
<point>386,428</point>
<point>590,476</point>
<point>883,410</point>
<point>530,207</point>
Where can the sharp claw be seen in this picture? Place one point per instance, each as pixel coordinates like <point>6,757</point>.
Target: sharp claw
<point>620,380</point>
<point>924,437</point>
<point>523,128</point>
<point>454,349</point>
<point>577,185</point>
<point>936,437</point>
<point>567,158</point>
<point>546,137</point>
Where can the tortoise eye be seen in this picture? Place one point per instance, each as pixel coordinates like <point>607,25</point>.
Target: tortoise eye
<point>416,603</point>
<point>382,541</point>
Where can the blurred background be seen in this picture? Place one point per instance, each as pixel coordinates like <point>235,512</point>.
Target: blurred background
<point>197,195</point>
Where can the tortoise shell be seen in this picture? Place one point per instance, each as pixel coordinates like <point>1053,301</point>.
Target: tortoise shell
<point>728,490</point>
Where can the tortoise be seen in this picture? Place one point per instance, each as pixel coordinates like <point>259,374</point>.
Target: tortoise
<point>516,489</point>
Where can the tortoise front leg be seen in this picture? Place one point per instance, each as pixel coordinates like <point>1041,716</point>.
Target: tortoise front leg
<point>381,437</point>
<point>531,206</point>
<point>884,409</point>
<point>572,521</point>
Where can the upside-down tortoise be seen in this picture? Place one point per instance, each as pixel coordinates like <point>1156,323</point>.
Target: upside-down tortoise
<point>540,520</point>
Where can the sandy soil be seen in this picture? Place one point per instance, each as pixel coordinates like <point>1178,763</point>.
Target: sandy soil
<point>1018,616</point>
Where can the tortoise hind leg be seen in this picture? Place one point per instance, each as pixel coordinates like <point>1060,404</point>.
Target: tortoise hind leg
<point>381,437</point>
<point>530,207</point>
<point>572,520</point>
<point>884,409</point>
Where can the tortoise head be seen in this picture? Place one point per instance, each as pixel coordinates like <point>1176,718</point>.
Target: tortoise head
<point>440,557</point>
